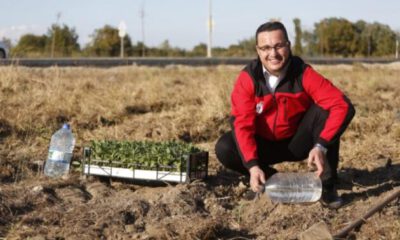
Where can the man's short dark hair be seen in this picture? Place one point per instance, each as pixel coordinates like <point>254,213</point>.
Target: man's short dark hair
<point>271,26</point>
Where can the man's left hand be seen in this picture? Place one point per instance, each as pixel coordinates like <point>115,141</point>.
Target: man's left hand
<point>316,157</point>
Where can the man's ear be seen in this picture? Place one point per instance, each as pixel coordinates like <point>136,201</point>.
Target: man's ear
<point>257,51</point>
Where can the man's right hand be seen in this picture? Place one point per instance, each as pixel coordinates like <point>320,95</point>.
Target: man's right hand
<point>257,179</point>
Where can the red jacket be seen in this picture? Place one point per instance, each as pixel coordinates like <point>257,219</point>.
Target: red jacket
<point>276,116</point>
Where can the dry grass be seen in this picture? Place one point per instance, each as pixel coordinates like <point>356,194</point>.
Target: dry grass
<point>191,104</point>
<point>119,103</point>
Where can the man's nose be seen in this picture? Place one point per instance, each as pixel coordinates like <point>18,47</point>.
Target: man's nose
<point>273,52</point>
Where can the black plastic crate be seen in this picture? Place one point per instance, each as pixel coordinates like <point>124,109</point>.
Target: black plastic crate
<point>196,167</point>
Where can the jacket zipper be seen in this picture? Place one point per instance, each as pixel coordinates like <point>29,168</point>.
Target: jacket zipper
<point>276,103</point>
<point>276,116</point>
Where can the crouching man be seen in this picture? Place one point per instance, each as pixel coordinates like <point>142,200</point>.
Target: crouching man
<point>283,110</point>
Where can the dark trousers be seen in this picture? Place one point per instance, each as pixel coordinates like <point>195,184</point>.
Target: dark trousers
<point>293,149</point>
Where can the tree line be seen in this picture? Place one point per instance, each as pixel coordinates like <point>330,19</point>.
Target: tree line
<point>331,37</point>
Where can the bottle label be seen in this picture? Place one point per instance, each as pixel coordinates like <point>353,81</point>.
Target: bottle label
<point>61,157</point>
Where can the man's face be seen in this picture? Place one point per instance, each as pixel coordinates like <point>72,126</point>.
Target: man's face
<point>273,50</point>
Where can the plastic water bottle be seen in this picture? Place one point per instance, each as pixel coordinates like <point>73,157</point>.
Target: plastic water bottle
<point>60,152</point>
<point>294,187</point>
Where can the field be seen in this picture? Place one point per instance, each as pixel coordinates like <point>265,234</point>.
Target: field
<point>190,104</point>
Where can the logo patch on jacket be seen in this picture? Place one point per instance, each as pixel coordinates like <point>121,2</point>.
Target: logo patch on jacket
<point>259,107</point>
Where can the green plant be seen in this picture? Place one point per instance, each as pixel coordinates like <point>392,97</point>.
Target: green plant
<point>167,155</point>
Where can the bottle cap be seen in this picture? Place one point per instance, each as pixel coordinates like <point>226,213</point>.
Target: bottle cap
<point>66,126</point>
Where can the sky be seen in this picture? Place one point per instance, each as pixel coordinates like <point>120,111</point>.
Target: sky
<point>184,22</point>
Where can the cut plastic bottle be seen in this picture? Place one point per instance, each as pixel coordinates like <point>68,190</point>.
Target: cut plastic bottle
<point>294,187</point>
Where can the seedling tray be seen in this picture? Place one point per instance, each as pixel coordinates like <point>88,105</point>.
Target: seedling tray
<point>196,167</point>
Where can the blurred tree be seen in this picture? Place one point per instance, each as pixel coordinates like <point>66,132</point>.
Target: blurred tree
<point>383,40</point>
<point>336,37</point>
<point>166,50</point>
<point>375,39</point>
<point>311,45</point>
<point>339,37</point>
<point>62,40</point>
<point>248,47</point>
<point>219,51</point>
<point>330,37</point>
<point>199,50</point>
<point>364,38</point>
<point>107,43</point>
<point>137,49</point>
<point>165,45</point>
<point>298,48</point>
<point>245,48</point>
<point>30,45</point>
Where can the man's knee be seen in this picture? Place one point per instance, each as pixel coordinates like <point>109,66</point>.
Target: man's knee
<point>351,112</point>
<point>228,155</point>
<point>224,148</point>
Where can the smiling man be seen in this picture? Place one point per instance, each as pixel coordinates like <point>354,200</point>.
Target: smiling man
<point>283,110</point>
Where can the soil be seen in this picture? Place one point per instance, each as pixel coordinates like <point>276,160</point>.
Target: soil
<point>33,206</point>
<point>220,207</point>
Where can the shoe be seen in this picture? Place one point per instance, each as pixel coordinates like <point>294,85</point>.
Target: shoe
<point>330,198</point>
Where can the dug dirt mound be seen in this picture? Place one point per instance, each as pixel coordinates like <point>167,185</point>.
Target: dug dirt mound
<point>94,210</point>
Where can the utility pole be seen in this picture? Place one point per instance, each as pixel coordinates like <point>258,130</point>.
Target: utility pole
<point>210,25</point>
<point>397,48</point>
<point>142,15</point>
<point>122,34</point>
<point>53,43</point>
<point>122,48</point>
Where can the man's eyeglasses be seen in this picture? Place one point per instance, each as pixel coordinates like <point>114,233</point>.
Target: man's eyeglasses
<point>277,47</point>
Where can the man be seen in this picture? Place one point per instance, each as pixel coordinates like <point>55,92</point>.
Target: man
<point>283,110</point>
